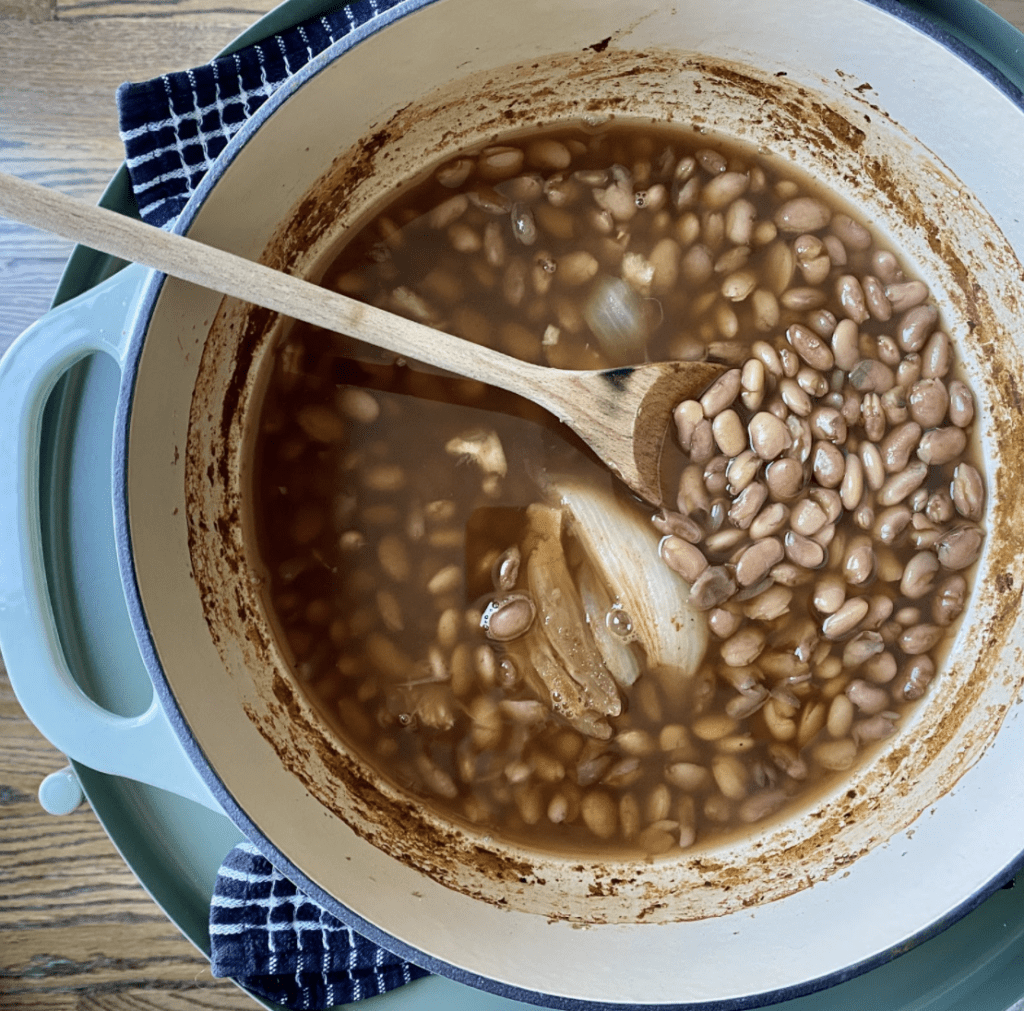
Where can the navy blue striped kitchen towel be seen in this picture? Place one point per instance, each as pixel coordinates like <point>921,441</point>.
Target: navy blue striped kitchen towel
<point>264,933</point>
<point>281,945</point>
<point>175,125</point>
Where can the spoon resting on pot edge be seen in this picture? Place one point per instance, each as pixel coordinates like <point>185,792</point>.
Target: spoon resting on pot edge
<point>623,414</point>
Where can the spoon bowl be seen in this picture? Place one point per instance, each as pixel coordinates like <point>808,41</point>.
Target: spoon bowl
<point>623,414</point>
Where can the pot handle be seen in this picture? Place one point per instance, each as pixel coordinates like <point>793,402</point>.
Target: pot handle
<point>144,747</point>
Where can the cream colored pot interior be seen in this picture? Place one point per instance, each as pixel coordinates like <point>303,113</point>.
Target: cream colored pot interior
<point>822,85</point>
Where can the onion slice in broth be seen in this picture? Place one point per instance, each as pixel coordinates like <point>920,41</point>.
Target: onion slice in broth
<point>623,551</point>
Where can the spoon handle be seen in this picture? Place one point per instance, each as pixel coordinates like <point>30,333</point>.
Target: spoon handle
<point>218,270</point>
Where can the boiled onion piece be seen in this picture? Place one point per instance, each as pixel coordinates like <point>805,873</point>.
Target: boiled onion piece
<point>623,550</point>
<point>614,312</point>
<point>562,618</point>
<point>614,648</point>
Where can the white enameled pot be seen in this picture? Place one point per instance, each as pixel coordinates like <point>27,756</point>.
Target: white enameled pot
<point>894,119</point>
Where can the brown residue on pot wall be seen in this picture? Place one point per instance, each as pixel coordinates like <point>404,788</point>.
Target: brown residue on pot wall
<point>851,144</point>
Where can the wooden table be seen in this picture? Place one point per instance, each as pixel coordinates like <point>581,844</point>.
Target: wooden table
<point>77,931</point>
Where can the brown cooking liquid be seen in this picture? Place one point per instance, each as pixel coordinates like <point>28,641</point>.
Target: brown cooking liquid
<point>389,496</point>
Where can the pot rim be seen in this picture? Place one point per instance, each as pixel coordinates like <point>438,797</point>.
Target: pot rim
<point>122,423</point>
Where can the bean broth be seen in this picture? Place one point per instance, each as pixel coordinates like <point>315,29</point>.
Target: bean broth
<point>437,569</point>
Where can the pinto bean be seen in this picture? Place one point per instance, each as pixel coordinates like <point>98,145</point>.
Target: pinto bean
<point>968,492</point>
<point>714,586</point>
<point>919,574</point>
<point>803,551</point>
<point>948,602</point>
<point>900,485</point>
<point>928,402</point>
<point>905,295</point>
<point>828,464</point>
<point>868,698</point>
<point>757,560</point>
<point>920,639</point>
<point>859,564</point>
<point>851,298</point>
<point>937,356</point>
<point>807,517</point>
<point>874,467</point>
<point>941,445</point>
<point>961,404</point>
<point>916,326</point>
<point>897,446</point>
<point>802,214</point>
<point>682,557</point>
<point>846,619</point>
<point>810,347</point>
<point>874,296</point>
<point>785,478</point>
<point>959,548</point>
<point>722,392</point>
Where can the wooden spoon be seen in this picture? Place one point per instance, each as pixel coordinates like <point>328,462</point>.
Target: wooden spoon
<point>623,414</point>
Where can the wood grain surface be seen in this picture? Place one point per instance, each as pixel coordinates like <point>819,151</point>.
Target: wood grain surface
<point>77,931</point>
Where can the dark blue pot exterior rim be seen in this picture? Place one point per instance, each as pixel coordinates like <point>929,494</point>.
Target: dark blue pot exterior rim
<point>150,657</point>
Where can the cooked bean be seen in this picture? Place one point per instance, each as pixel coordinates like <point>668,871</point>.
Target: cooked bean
<point>906,294</point>
<point>881,668</point>
<point>713,727</point>
<point>875,728</point>
<point>894,406</point>
<point>891,522</point>
<point>723,623</point>
<point>747,505</point>
<point>859,564</point>
<point>712,587</point>
<point>802,214</point>
<point>785,478</point>
<point>682,557</point>
<point>868,698</point>
<point>755,562</point>
<point>769,436</point>
<point>851,233</point>
<point>949,599</point>
<point>919,575</point>
<point>687,415</point>
<point>870,375</point>
<point>829,593</point>
<point>770,604</point>
<point>803,551</point>
<point>851,298</point>
<point>600,814</point>
<point>810,347</point>
<point>840,716</point>
<point>845,344</point>
<point>899,486</point>
<point>807,517</point>
<point>861,648</point>
<point>730,434</point>
<point>897,446</point>
<point>846,619</point>
<point>928,402</point>
<point>828,464</point>
<point>722,392</point>
<point>916,326</point>
<point>874,296</point>
<point>741,470</point>
<point>941,445</point>
<point>828,423</point>
<point>874,467</point>
<point>937,356</point>
<point>959,547</point>
<point>961,404</point>
<point>968,492</point>
<point>920,639</point>
<point>771,520</point>
<point>835,755</point>
<point>916,677</point>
